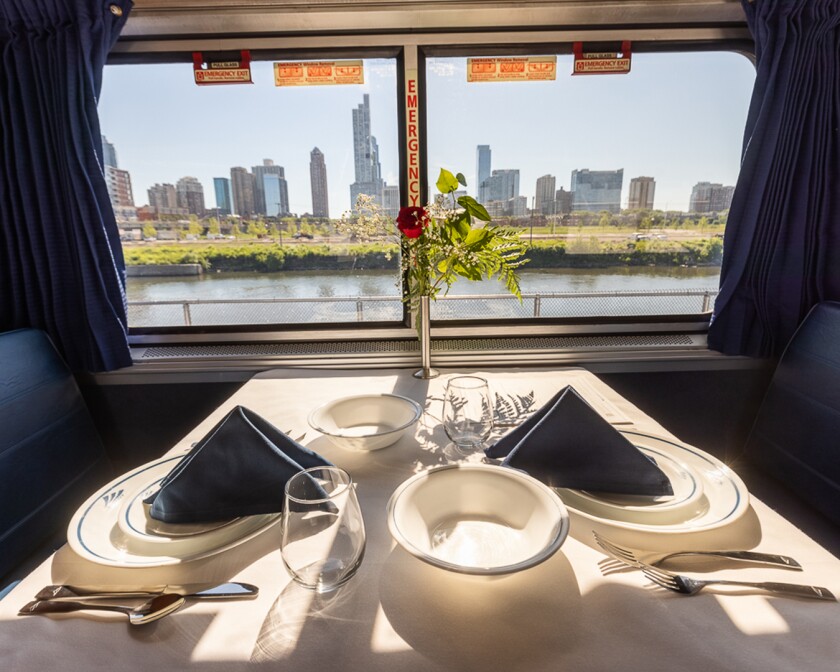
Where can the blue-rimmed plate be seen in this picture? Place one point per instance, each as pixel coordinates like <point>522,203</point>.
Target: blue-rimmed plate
<point>719,498</point>
<point>97,530</point>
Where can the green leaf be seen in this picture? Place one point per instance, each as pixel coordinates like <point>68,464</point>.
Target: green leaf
<point>460,177</point>
<point>446,182</point>
<point>477,237</point>
<point>461,226</point>
<point>475,208</point>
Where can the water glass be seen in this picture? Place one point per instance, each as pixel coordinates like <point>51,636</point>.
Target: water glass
<point>323,537</point>
<point>467,412</point>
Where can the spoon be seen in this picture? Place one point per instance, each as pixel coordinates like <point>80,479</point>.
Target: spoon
<point>151,610</point>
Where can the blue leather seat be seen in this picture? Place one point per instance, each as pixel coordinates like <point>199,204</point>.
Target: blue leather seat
<point>796,434</point>
<point>50,453</point>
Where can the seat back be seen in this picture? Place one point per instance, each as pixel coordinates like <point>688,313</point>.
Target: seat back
<point>50,453</point>
<point>796,434</point>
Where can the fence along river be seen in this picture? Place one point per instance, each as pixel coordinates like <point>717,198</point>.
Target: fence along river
<point>353,296</point>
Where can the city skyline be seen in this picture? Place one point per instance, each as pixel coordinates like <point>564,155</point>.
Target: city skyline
<point>281,123</point>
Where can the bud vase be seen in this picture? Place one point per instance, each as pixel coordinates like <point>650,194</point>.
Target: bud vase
<point>424,333</point>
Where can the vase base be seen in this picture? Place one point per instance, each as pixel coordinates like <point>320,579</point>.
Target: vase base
<point>425,374</point>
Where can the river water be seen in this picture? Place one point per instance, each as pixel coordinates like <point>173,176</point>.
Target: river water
<point>317,296</point>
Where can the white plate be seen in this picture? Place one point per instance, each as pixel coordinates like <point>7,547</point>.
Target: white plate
<point>95,533</point>
<point>724,496</point>
<point>687,500</point>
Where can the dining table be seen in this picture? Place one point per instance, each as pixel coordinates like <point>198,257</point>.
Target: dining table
<point>577,610</point>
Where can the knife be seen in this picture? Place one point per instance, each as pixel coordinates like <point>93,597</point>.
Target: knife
<point>221,592</point>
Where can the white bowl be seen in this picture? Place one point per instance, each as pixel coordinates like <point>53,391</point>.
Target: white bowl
<point>477,519</point>
<point>366,421</point>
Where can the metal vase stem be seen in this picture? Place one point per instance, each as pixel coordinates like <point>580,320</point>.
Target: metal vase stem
<point>424,332</point>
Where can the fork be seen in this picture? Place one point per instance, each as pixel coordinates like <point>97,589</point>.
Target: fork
<point>690,586</point>
<point>629,557</point>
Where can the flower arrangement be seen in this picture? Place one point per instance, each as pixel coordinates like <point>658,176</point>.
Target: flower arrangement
<point>448,239</point>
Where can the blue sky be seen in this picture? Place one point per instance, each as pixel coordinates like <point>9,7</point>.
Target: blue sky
<point>676,117</point>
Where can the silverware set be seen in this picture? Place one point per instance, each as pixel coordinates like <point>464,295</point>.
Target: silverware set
<point>687,585</point>
<point>62,599</point>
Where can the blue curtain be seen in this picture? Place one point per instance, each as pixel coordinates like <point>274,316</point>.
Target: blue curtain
<point>61,263</point>
<point>782,242</point>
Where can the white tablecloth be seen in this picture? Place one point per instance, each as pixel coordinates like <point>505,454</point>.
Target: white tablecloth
<point>573,612</point>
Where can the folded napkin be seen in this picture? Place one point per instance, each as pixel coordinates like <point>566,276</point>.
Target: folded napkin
<point>239,469</point>
<point>567,444</point>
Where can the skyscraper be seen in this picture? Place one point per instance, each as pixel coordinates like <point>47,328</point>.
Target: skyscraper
<point>597,190</point>
<point>221,185</point>
<point>544,198</point>
<point>190,195</point>
<point>118,183</point>
<point>482,167</point>
<point>708,197</point>
<point>242,186</point>
<point>365,156</point>
<point>261,203</point>
<point>391,200</point>
<point>276,194</point>
<point>641,193</point>
<point>109,153</point>
<point>502,185</point>
<point>318,180</point>
<point>163,198</point>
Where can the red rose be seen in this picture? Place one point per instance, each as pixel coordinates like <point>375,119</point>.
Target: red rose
<point>411,221</point>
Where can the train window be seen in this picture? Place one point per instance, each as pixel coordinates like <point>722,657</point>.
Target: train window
<point>619,183</point>
<point>227,197</point>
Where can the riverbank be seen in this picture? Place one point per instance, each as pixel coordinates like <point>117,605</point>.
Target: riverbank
<point>275,258</point>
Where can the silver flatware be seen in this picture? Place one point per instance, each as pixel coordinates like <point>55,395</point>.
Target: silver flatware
<point>151,610</point>
<point>636,558</point>
<point>690,586</point>
<point>220,592</point>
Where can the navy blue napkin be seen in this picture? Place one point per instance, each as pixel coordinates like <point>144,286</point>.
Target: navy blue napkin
<point>567,444</point>
<point>239,469</point>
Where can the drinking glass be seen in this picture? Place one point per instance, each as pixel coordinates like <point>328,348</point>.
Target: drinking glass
<point>467,413</point>
<point>323,538</point>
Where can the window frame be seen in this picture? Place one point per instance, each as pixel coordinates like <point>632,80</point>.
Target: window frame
<point>414,48</point>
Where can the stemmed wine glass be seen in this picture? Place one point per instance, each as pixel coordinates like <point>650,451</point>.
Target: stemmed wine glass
<point>467,413</point>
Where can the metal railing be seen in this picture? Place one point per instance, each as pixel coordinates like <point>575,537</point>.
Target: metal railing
<point>215,312</point>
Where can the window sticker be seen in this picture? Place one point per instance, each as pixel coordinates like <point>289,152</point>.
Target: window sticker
<point>595,59</point>
<point>517,69</point>
<point>222,68</point>
<point>318,73</point>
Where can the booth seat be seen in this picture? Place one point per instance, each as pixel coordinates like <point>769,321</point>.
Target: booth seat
<point>51,456</point>
<point>796,434</point>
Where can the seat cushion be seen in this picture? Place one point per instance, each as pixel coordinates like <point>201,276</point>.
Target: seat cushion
<point>796,435</point>
<point>50,453</point>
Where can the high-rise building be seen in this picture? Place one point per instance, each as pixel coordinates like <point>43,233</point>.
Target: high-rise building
<point>163,198</point>
<point>597,190</point>
<point>118,182</point>
<point>391,200</point>
<point>562,202</point>
<point>482,166</point>
<point>518,206</point>
<point>119,187</point>
<point>318,181</point>
<point>261,203</point>
<point>544,198</point>
<point>221,185</point>
<point>641,193</point>
<point>709,197</point>
<point>109,153</point>
<point>276,194</point>
<point>242,187</point>
<point>365,156</point>
<point>502,185</point>
<point>190,195</point>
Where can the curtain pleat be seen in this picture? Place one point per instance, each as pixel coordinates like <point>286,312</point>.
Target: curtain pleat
<point>61,262</point>
<point>781,253</point>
